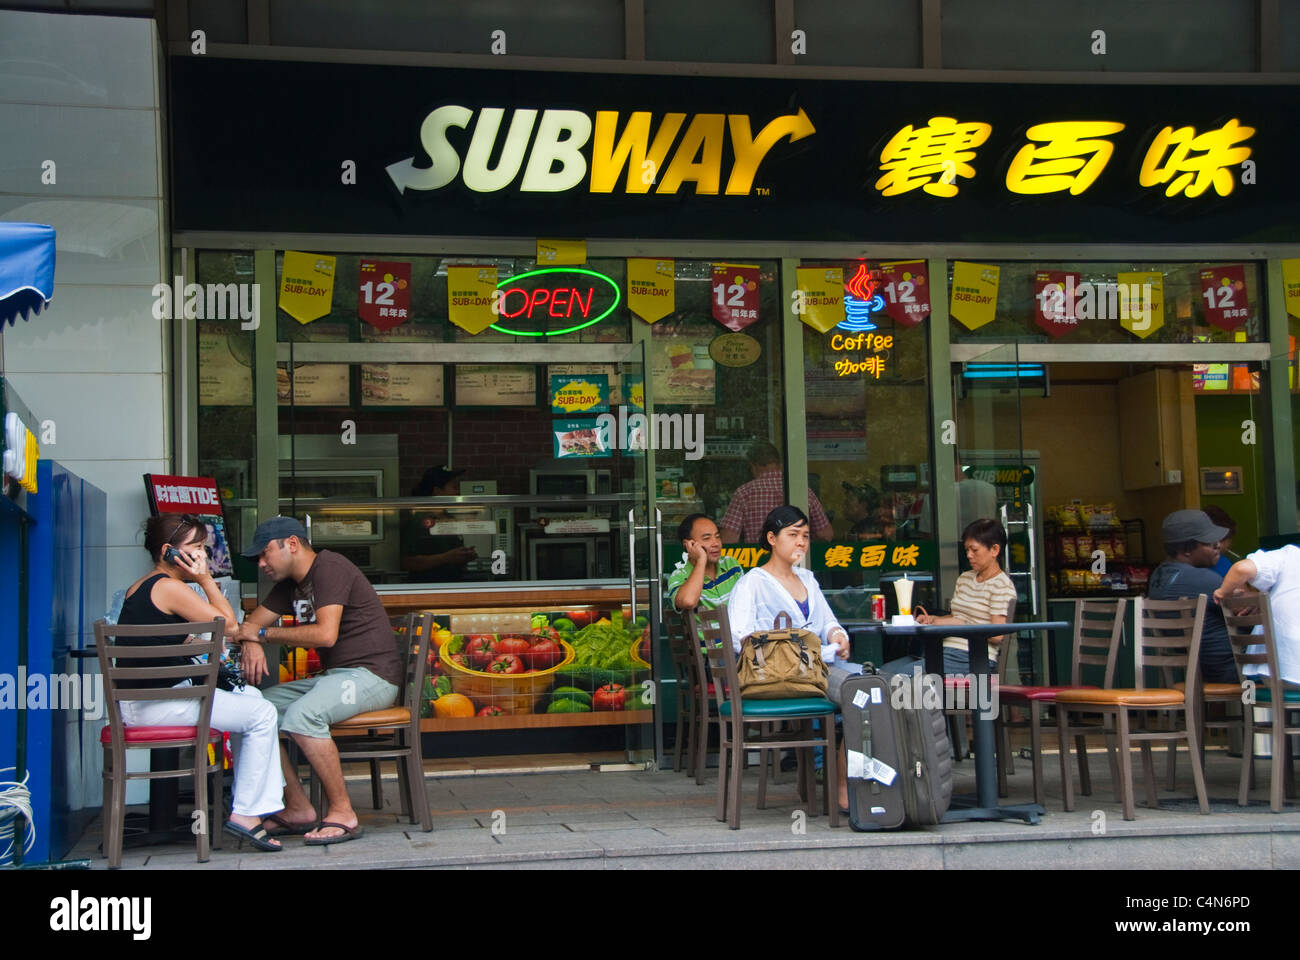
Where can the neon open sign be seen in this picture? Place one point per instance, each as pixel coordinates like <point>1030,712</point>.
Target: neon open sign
<point>578,302</point>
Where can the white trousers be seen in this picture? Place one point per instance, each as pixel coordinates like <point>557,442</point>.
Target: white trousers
<point>254,741</point>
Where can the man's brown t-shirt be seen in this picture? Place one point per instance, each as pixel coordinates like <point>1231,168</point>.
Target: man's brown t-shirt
<point>365,635</point>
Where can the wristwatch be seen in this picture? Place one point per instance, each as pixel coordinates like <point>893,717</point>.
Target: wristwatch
<point>261,634</point>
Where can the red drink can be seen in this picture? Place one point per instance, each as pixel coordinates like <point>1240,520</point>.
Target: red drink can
<point>877,606</point>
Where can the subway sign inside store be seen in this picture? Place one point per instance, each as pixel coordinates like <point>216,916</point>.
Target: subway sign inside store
<point>553,301</point>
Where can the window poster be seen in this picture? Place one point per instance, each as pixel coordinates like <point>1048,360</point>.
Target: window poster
<point>681,368</point>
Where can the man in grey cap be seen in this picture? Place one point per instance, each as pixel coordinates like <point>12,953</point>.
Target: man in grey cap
<point>337,612</point>
<point>1192,549</point>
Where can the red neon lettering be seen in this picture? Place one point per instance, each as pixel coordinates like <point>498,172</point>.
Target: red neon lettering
<point>557,300</point>
<point>505,296</point>
<point>577,298</point>
<point>540,296</point>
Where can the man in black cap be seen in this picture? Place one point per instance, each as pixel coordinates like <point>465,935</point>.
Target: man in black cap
<point>431,557</point>
<point>339,614</point>
<point>1192,549</point>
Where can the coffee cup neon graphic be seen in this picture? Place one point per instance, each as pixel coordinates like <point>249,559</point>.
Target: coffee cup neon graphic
<point>860,301</point>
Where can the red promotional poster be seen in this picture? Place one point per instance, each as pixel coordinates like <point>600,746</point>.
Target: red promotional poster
<point>1054,301</point>
<point>384,297</point>
<point>167,494</point>
<point>735,295</point>
<point>906,291</point>
<point>1226,299</point>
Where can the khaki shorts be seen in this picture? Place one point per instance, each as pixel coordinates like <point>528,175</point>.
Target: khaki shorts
<point>309,707</point>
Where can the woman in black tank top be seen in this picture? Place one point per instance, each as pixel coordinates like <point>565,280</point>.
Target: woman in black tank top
<point>163,596</point>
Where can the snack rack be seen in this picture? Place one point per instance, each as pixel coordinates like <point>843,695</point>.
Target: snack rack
<point>1070,548</point>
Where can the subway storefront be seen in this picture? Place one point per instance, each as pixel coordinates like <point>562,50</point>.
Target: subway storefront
<point>497,332</point>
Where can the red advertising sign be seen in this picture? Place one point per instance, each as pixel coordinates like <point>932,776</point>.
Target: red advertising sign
<point>1226,298</point>
<point>906,291</point>
<point>1054,301</point>
<point>197,495</point>
<point>735,295</point>
<point>384,296</point>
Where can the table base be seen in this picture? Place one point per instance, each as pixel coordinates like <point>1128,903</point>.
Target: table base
<point>965,810</point>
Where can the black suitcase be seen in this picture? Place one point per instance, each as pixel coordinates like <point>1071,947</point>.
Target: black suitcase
<point>900,760</point>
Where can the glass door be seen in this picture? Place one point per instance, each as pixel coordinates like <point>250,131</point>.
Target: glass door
<point>997,477</point>
<point>630,431</point>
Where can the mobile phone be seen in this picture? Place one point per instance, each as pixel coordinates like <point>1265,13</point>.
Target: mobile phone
<point>175,556</point>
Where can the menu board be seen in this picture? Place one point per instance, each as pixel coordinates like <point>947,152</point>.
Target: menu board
<point>496,385</point>
<point>412,332</point>
<point>402,385</point>
<point>314,385</point>
<point>224,378</point>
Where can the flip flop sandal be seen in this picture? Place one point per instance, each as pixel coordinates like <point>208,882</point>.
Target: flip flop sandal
<point>287,829</point>
<point>348,834</point>
<point>258,838</point>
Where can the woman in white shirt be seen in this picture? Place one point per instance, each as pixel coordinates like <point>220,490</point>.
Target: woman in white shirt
<point>780,586</point>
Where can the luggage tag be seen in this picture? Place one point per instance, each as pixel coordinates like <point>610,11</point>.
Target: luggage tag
<point>861,698</point>
<point>863,767</point>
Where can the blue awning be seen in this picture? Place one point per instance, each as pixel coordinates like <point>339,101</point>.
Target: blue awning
<point>26,269</point>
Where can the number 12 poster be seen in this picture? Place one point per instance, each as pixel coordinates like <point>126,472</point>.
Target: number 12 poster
<point>384,293</point>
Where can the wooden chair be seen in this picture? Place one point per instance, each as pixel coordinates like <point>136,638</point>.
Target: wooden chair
<point>1098,631</point>
<point>116,664</point>
<point>394,732</point>
<point>688,694</point>
<point>711,630</point>
<point>1160,641</point>
<point>1243,614</point>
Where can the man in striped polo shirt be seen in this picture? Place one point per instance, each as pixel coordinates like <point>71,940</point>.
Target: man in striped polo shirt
<point>706,577</point>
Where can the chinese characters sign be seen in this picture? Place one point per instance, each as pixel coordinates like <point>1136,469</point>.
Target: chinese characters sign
<point>1061,157</point>
<point>1226,297</point>
<point>974,293</point>
<point>865,555</point>
<point>906,289</point>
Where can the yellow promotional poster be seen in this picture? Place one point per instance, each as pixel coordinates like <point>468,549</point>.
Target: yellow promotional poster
<point>306,285</point>
<point>1291,284</point>
<point>821,296</point>
<point>561,253</point>
<point>469,297</point>
<point>1141,302</point>
<point>651,288</point>
<point>974,293</point>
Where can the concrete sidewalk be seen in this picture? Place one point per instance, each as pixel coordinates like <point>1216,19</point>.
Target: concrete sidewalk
<point>662,820</point>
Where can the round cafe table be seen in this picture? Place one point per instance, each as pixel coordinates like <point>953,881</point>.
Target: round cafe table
<point>984,805</point>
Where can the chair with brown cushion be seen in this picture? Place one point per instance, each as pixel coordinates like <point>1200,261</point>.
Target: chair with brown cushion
<point>394,732</point>
<point>711,630</point>
<point>1161,641</point>
<point>1098,631</point>
<point>1243,614</point>
<point>116,663</point>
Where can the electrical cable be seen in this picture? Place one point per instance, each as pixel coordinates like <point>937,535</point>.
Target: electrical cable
<point>15,801</point>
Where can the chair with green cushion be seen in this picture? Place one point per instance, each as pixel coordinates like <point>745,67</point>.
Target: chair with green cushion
<point>1243,614</point>
<point>711,630</point>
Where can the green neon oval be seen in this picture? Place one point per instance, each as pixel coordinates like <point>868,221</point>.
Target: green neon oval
<point>618,298</point>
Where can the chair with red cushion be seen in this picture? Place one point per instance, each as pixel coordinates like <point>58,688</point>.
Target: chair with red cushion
<point>1168,634</point>
<point>116,662</point>
<point>1098,631</point>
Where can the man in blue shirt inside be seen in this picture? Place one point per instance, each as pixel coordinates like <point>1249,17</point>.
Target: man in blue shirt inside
<point>1192,549</point>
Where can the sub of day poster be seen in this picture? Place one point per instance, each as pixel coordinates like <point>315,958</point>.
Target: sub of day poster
<point>578,438</point>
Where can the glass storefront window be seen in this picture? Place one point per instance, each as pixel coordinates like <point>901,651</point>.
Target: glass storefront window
<point>1097,302</point>
<point>227,415</point>
<point>867,398</point>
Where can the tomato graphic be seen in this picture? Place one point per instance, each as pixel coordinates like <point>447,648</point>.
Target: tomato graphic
<point>480,649</point>
<point>491,712</point>
<point>506,663</point>
<point>519,646</point>
<point>544,654</point>
<point>609,697</point>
